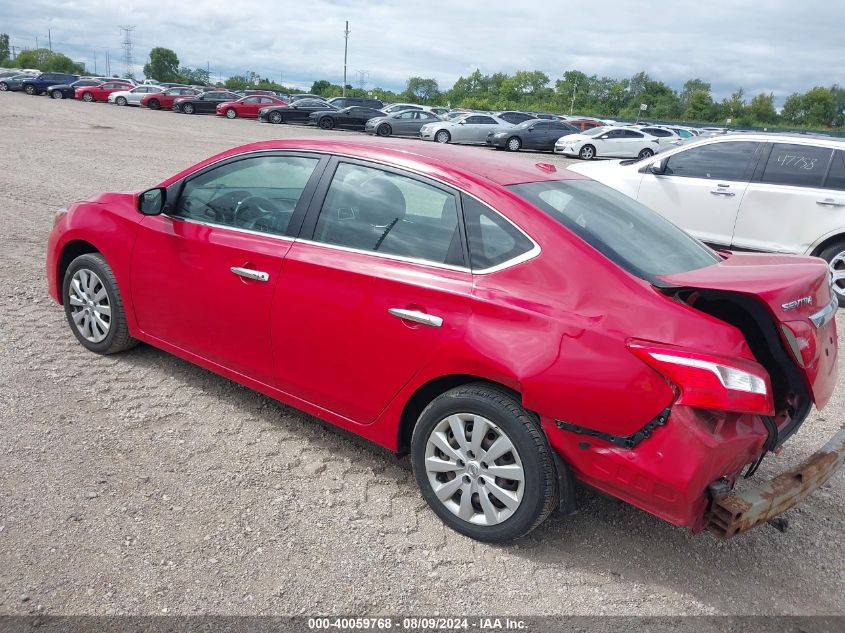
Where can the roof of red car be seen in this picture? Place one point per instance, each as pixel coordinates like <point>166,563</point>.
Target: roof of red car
<point>503,169</point>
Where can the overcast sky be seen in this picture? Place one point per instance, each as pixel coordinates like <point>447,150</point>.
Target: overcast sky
<point>762,45</point>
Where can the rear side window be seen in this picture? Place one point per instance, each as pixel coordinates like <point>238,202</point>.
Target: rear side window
<point>796,165</point>
<point>716,161</point>
<point>634,237</point>
<point>492,239</point>
<point>374,210</point>
<point>836,177</point>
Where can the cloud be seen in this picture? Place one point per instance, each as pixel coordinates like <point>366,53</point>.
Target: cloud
<point>773,46</point>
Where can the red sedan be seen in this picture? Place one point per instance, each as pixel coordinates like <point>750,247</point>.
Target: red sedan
<point>164,100</point>
<point>102,91</point>
<point>513,327</point>
<point>248,107</point>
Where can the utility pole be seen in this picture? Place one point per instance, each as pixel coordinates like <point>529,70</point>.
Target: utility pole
<point>36,42</point>
<point>13,51</point>
<point>50,39</point>
<point>345,48</point>
<point>108,63</point>
<point>95,62</point>
<point>572,105</point>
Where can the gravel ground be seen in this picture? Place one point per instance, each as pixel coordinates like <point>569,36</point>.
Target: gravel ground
<point>141,484</point>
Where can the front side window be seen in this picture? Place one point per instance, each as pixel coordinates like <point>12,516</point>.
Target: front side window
<point>374,210</point>
<point>715,161</point>
<point>797,165</point>
<point>634,237</point>
<point>258,193</point>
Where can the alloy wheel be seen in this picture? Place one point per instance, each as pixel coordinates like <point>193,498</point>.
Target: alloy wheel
<point>4,87</point>
<point>442,136</point>
<point>188,108</point>
<point>231,113</point>
<point>514,144</point>
<point>646,153</point>
<point>88,97</point>
<point>90,307</point>
<point>837,272</point>
<point>587,153</point>
<point>121,101</point>
<point>57,94</point>
<point>275,117</point>
<point>474,469</point>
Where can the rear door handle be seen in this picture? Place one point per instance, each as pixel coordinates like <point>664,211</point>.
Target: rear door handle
<point>248,273</point>
<point>417,317</point>
<point>830,202</point>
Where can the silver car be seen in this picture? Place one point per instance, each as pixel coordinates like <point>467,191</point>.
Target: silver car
<point>471,128</point>
<point>404,123</point>
<point>134,96</point>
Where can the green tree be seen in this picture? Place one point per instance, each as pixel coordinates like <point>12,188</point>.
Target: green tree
<point>163,65</point>
<point>691,87</point>
<point>45,60</point>
<point>699,106</point>
<point>762,109</point>
<point>422,88</point>
<point>734,108</point>
<point>196,76</point>
<point>820,107</point>
<point>236,82</point>
<point>323,88</point>
<point>793,110</point>
<point>4,47</point>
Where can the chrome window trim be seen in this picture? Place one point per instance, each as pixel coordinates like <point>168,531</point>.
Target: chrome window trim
<point>285,238</point>
<point>515,261</point>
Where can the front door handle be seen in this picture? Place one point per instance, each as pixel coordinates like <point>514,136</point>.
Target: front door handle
<point>417,317</point>
<point>248,273</point>
<point>722,192</point>
<point>830,202</point>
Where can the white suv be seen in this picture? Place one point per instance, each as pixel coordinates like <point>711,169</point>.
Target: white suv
<point>779,193</point>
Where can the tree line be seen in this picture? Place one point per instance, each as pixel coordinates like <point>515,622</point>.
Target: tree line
<point>574,92</point>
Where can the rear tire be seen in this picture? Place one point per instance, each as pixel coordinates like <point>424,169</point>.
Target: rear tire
<point>645,153</point>
<point>94,310</point>
<point>834,255</point>
<point>496,507</point>
<point>588,152</point>
<point>3,86</point>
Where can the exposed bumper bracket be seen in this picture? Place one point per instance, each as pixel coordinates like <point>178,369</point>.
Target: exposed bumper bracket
<point>736,513</point>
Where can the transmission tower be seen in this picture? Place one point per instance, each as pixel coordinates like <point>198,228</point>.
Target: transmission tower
<point>363,75</point>
<point>127,31</point>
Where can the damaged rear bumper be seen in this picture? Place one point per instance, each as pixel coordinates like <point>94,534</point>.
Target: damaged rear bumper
<point>736,513</point>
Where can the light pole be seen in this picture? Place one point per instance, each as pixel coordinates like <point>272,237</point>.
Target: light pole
<point>572,105</point>
<point>345,48</point>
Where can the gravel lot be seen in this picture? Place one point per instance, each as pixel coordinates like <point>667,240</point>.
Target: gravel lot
<point>141,484</point>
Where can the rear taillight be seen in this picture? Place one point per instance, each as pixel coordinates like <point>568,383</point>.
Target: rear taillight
<point>709,381</point>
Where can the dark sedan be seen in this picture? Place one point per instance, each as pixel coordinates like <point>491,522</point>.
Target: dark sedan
<point>205,103</point>
<point>354,117</point>
<point>68,91</point>
<point>298,112</point>
<point>534,134</point>
<point>13,83</point>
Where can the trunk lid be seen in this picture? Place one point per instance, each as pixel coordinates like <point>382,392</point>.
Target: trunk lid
<point>797,295</point>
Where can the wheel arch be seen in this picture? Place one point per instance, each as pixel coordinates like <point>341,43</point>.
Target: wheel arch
<point>428,391</point>
<point>69,252</point>
<point>827,241</point>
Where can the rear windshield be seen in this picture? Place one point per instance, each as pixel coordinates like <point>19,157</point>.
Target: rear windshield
<point>631,235</point>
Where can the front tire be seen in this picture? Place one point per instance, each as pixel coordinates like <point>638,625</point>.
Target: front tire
<point>483,463</point>
<point>645,153</point>
<point>30,90</point>
<point>326,123</point>
<point>93,306</point>
<point>514,144</point>
<point>384,130</point>
<point>588,152</point>
<point>443,136</point>
<point>834,255</point>
<point>121,101</point>
<point>275,117</point>
<point>154,104</point>
<point>188,108</point>
<point>3,86</point>
<point>231,113</point>
<point>57,94</point>
<point>87,97</point>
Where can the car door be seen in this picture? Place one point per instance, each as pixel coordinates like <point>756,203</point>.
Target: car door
<point>204,273</point>
<point>405,123</point>
<point>373,289</point>
<point>480,127</point>
<point>418,118</point>
<point>134,95</point>
<point>794,200</point>
<point>535,136</point>
<point>702,187</point>
<point>610,144</point>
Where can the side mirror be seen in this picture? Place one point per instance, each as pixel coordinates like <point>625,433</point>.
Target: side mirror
<point>657,167</point>
<point>151,202</point>
<point>461,122</point>
<point>604,136</point>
